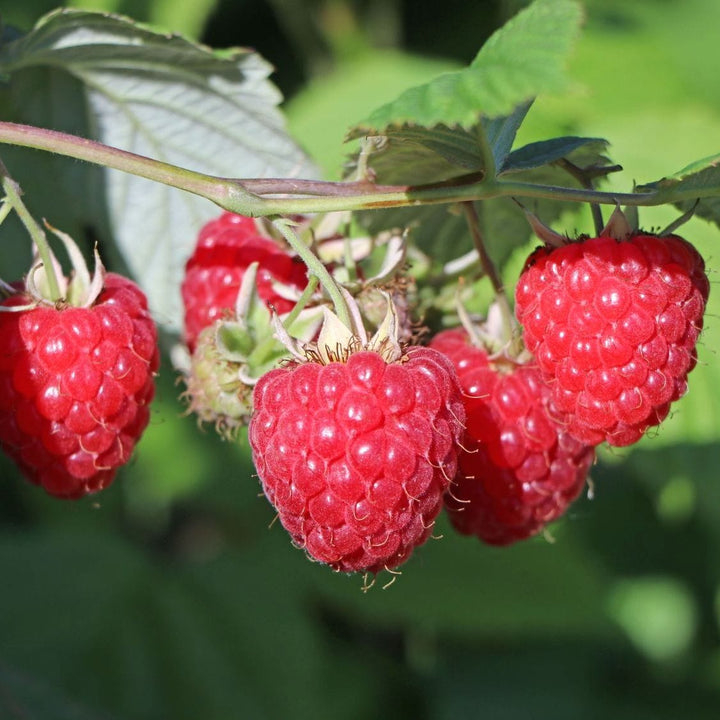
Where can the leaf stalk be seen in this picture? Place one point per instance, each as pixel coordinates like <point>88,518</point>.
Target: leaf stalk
<point>276,196</point>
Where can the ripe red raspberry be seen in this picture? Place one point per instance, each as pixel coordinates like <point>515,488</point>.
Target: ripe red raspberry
<point>225,247</point>
<point>519,469</point>
<point>355,456</point>
<point>75,386</point>
<point>614,324</point>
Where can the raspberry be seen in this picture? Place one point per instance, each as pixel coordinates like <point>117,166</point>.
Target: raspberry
<point>355,456</point>
<point>216,390</point>
<point>75,386</point>
<point>614,326</point>
<point>225,247</point>
<point>519,469</point>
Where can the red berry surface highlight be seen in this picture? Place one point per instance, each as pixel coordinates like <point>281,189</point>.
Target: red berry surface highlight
<point>614,326</point>
<point>518,469</point>
<point>356,456</point>
<point>75,387</point>
<point>225,247</point>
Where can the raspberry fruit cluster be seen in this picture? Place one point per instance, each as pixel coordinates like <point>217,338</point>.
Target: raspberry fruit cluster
<point>358,448</point>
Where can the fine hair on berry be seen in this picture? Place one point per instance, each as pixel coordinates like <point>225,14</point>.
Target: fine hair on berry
<point>356,456</point>
<point>614,326</point>
<point>518,469</point>
<point>76,385</point>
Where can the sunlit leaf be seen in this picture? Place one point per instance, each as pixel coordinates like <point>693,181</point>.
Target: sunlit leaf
<point>524,58</point>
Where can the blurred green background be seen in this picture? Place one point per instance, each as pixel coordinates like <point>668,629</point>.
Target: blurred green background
<point>167,596</point>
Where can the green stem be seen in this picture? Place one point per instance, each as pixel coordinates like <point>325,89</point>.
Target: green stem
<point>5,209</point>
<point>303,300</point>
<point>257,197</point>
<point>486,262</point>
<point>338,197</point>
<point>13,196</point>
<point>219,190</point>
<point>487,153</point>
<point>553,192</point>
<point>316,268</point>
<point>490,270</point>
<point>268,348</point>
<point>586,181</point>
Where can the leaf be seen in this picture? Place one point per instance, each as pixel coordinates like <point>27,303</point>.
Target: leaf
<point>442,234</point>
<point>167,98</point>
<point>583,152</point>
<point>321,110</point>
<point>524,58</point>
<point>698,181</point>
<point>416,155</point>
<point>501,131</point>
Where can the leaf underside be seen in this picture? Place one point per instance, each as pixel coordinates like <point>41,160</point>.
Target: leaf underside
<point>167,98</point>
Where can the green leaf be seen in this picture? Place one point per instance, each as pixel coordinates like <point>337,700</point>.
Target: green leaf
<point>444,235</point>
<point>321,111</point>
<point>521,60</point>
<point>697,183</point>
<point>501,131</point>
<point>164,97</point>
<point>415,155</point>
<point>583,152</point>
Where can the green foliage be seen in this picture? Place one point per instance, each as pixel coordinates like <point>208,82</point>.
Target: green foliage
<point>168,596</point>
<point>323,110</point>
<point>159,96</point>
<point>429,154</point>
<point>526,57</point>
<point>582,152</point>
<point>466,122</point>
<point>699,184</point>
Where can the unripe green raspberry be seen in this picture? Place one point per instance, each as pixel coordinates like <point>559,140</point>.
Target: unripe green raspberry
<point>216,391</point>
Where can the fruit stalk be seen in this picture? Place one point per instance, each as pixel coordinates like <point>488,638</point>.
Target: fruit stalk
<point>13,198</point>
<point>584,177</point>
<point>317,269</point>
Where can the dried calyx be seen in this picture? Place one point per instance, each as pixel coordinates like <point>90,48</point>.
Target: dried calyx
<point>233,353</point>
<point>336,341</point>
<point>80,289</point>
